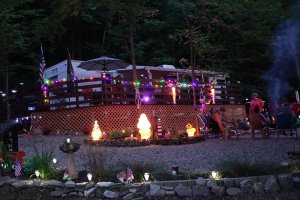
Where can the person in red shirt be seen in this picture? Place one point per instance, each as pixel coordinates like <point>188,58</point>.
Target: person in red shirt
<point>256,102</point>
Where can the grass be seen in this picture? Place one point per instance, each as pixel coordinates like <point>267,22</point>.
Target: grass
<point>41,161</point>
<point>246,167</point>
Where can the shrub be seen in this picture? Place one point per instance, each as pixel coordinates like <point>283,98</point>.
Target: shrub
<point>238,168</point>
<point>40,161</point>
<point>7,163</point>
<point>97,161</point>
<point>116,135</point>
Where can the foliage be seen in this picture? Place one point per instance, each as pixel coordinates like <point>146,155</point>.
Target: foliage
<point>97,161</point>
<point>7,162</point>
<point>116,135</point>
<point>41,161</point>
<point>238,168</point>
<point>233,36</point>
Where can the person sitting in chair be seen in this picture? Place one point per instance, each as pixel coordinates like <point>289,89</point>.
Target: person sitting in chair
<point>257,122</point>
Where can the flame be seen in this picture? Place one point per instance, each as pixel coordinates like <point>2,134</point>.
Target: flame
<point>144,127</point>
<point>96,132</point>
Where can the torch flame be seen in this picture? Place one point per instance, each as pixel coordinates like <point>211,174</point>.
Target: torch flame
<point>144,127</point>
<point>96,132</point>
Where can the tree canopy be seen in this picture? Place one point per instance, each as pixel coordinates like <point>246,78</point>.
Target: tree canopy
<point>227,35</point>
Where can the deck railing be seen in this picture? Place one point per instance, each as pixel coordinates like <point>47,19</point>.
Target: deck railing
<point>98,91</point>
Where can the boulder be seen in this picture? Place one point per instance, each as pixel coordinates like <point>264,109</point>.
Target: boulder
<point>153,189</point>
<point>285,181</point>
<point>218,190</point>
<point>200,181</point>
<point>258,187</point>
<point>110,195</point>
<point>233,191</point>
<point>70,184</point>
<point>271,185</point>
<point>296,181</point>
<point>167,188</point>
<point>200,190</point>
<point>89,185</point>
<point>56,193</point>
<point>74,194</point>
<point>183,191</point>
<point>211,183</point>
<point>128,196</point>
<point>246,182</point>
<point>138,194</point>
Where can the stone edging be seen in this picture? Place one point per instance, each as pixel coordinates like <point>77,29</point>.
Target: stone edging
<point>182,188</point>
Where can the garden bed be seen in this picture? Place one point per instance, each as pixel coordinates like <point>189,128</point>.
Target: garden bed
<point>178,141</point>
<point>118,143</point>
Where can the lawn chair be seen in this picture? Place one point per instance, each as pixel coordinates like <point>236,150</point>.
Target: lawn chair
<point>285,121</point>
<point>209,125</point>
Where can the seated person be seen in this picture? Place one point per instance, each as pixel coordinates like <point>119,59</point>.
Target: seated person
<point>243,125</point>
<point>284,117</point>
<point>225,125</point>
<point>257,122</point>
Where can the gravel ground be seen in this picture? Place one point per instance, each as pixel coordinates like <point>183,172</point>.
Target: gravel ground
<point>198,158</point>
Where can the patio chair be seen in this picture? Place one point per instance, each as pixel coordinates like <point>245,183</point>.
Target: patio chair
<point>285,121</point>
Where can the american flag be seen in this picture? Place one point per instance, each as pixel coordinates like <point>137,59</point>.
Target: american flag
<point>42,66</point>
<point>70,70</point>
<point>18,168</point>
<point>129,174</point>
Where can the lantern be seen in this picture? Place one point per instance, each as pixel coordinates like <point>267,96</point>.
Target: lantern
<point>144,127</point>
<point>96,132</point>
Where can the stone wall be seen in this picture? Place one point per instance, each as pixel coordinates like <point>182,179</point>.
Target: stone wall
<point>175,189</point>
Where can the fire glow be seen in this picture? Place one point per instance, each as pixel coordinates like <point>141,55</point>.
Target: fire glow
<point>144,127</point>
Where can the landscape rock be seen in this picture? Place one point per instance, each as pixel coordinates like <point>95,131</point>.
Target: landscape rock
<point>23,183</point>
<point>138,194</point>
<point>56,193</point>
<point>36,183</point>
<point>153,189</point>
<point>211,183</point>
<point>167,188</point>
<point>183,191</point>
<point>285,181</point>
<point>133,190</point>
<point>70,184</point>
<point>271,185</point>
<point>51,183</point>
<point>170,193</point>
<point>258,187</point>
<point>88,192</point>
<point>128,196</point>
<point>296,181</point>
<point>110,194</point>
<point>218,190</point>
<point>90,185</point>
<point>160,193</point>
<point>228,182</point>
<point>4,179</point>
<point>74,194</point>
<point>246,182</point>
<point>246,186</point>
<point>200,181</point>
<point>233,191</point>
<point>200,190</point>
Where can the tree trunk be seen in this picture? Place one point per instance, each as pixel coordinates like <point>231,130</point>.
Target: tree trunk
<point>133,63</point>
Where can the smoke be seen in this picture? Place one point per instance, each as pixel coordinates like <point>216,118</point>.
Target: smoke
<point>285,60</point>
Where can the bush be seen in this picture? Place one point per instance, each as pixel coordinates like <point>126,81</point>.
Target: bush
<point>40,161</point>
<point>117,135</point>
<point>97,161</point>
<point>238,168</point>
<point>7,163</point>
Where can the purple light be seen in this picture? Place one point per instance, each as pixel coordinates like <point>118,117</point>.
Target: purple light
<point>146,99</point>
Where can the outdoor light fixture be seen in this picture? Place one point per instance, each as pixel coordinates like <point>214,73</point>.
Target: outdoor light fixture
<point>21,83</point>
<point>174,95</point>
<point>213,96</point>
<point>96,132</point>
<point>68,140</point>
<point>214,174</point>
<point>89,176</point>
<point>3,94</point>
<point>54,160</point>
<point>146,176</point>
<point>37,173</point>
<point>144,127</point>
<point>14,91</point>
<point>146,99</point>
